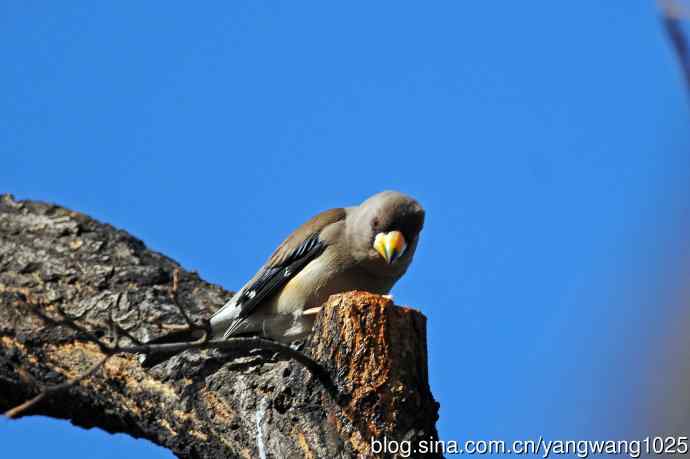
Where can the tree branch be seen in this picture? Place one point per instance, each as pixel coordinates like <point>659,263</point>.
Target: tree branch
<point>245,345</point>
<point>103,295</point>
<point>54,390</point>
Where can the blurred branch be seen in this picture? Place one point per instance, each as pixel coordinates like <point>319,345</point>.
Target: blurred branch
<point>674,14</point>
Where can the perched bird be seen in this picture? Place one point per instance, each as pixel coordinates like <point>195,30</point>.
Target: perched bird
<point>365,247</point>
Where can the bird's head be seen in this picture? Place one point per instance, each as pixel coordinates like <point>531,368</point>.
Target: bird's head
<point>384,232</point>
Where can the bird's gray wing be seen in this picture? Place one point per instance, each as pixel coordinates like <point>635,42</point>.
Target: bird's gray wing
<point>301,247</point>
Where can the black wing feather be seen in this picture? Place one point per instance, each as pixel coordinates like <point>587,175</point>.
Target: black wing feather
<point>273,278</point>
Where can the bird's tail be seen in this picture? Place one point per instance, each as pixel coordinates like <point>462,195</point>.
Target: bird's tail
<point>182,336</point>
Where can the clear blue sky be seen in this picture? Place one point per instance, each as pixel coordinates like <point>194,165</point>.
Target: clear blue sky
<point>549,142</point>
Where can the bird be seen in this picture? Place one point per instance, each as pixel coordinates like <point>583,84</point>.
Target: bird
<point>364,247</point>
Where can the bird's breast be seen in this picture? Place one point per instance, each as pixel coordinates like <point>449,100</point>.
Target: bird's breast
<point>321,278</point>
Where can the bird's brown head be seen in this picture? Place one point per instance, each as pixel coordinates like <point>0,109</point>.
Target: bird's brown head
<point>384,232</point>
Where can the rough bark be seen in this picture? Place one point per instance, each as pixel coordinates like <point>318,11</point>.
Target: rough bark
<point>201,403</point>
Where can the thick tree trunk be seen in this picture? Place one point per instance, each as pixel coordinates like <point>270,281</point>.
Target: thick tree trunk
<point>201,403</point>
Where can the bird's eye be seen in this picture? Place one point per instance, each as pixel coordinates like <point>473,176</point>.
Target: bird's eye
<point>375,223</point>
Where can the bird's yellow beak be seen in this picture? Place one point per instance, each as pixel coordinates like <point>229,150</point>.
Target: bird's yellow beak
<point>390,245</point>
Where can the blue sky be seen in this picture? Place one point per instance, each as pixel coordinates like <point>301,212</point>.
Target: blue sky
<point>548,142</point>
